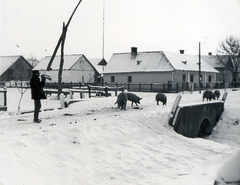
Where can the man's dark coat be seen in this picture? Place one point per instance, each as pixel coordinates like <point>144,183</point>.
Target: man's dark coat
<point>37,88</point>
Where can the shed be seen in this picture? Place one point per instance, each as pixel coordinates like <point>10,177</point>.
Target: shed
<point>15,68</point>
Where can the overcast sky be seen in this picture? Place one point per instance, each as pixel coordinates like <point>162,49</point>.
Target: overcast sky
<point>32,27</point>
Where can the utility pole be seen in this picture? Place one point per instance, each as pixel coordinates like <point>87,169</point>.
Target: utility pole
<point>200,76</point>
<point>103,28</point>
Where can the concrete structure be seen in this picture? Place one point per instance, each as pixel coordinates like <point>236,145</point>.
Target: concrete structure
<point>156,67</point>
<point>196,119</point>
<point>76,68</point>
<point>15,68</point>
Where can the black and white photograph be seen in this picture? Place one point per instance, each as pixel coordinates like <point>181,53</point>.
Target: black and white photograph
<point>120,92</point>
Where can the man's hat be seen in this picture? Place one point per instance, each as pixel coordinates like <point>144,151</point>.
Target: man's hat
<point>35,71</point>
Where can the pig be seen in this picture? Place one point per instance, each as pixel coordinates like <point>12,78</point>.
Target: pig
<point>161,97</point>
<point>208,95</point>
<point>217,94</point>
<point>122,100</point>
<point>133,98</point>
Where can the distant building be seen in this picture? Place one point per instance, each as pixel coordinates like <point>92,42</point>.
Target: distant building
<point>224,73</point>
<point>156,67</point>
<point>15,68</point>
<point>99,64</point>
<point>76,68</point>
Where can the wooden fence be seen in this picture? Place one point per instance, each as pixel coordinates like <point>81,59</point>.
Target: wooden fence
<point>170,87</point>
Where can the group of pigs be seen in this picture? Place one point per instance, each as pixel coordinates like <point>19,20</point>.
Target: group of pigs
<point>209,95</point>
<point>123,97</point>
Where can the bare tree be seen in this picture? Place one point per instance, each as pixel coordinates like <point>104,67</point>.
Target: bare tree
<point>229,55</point>
<point>33,61</point>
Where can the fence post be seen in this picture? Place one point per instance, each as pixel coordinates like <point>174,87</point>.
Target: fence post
<point>122,88</point>
<point>128,86</point>
<point>5,98</point>
<point>139,86</point>
<point>177,87</point>
<point>89,91</point>
<point>116,88</point>
<point>151,86</point>
<point>106,91</point>
<point>71,94</point>
<point>163,87</point>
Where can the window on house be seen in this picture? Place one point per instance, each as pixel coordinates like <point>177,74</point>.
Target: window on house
<point>191,78</point>
<point>183,78</point>
<point>129,78</point>
<point>112,78</point>
<point>209,78</point>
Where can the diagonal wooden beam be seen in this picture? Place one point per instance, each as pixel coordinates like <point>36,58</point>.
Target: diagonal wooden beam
<point>61,38</point>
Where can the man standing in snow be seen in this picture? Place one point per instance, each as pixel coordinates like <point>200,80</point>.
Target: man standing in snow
<point>37,93</point>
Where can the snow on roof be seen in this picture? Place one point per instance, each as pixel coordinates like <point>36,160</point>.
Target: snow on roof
<point>7,61</point>
<point>69,61</point>
<point>157,61</point>
<point>144,61</point>
<point>185,62</point>
<point>213,61</point>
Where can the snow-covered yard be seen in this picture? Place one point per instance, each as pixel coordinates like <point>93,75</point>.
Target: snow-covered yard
<point>92,142</point>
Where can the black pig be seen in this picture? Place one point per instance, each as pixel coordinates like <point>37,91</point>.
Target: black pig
<point>122,100</point>
<point>217,94</point>
<point>133,98</point>
<point>209,95</point>
<point>162,98</point>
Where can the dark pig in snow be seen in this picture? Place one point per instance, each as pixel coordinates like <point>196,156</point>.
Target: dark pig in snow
<point>122,100</point>
<point>209,95</point>
<point>133,98</point>
<point>160,97</point>
<point>217,94</point>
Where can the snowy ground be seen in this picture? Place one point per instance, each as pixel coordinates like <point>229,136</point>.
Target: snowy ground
<point>92,142</point>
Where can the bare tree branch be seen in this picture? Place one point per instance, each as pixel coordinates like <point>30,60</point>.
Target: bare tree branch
<point>231,48</point>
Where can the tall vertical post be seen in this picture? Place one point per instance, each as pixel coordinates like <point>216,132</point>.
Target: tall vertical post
<point>200,76</point>
<point>61,60</point>
<point>103,28</point>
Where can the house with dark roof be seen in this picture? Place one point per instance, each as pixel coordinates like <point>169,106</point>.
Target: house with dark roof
<point>15,68</point>
<point>76,68</point>
<point>156,67</point>
<point>223,67</point>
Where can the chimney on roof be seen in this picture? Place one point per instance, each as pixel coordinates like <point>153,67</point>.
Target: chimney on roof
<point>133,52</point>
<point>181,51</point>
<point>209,53</point>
